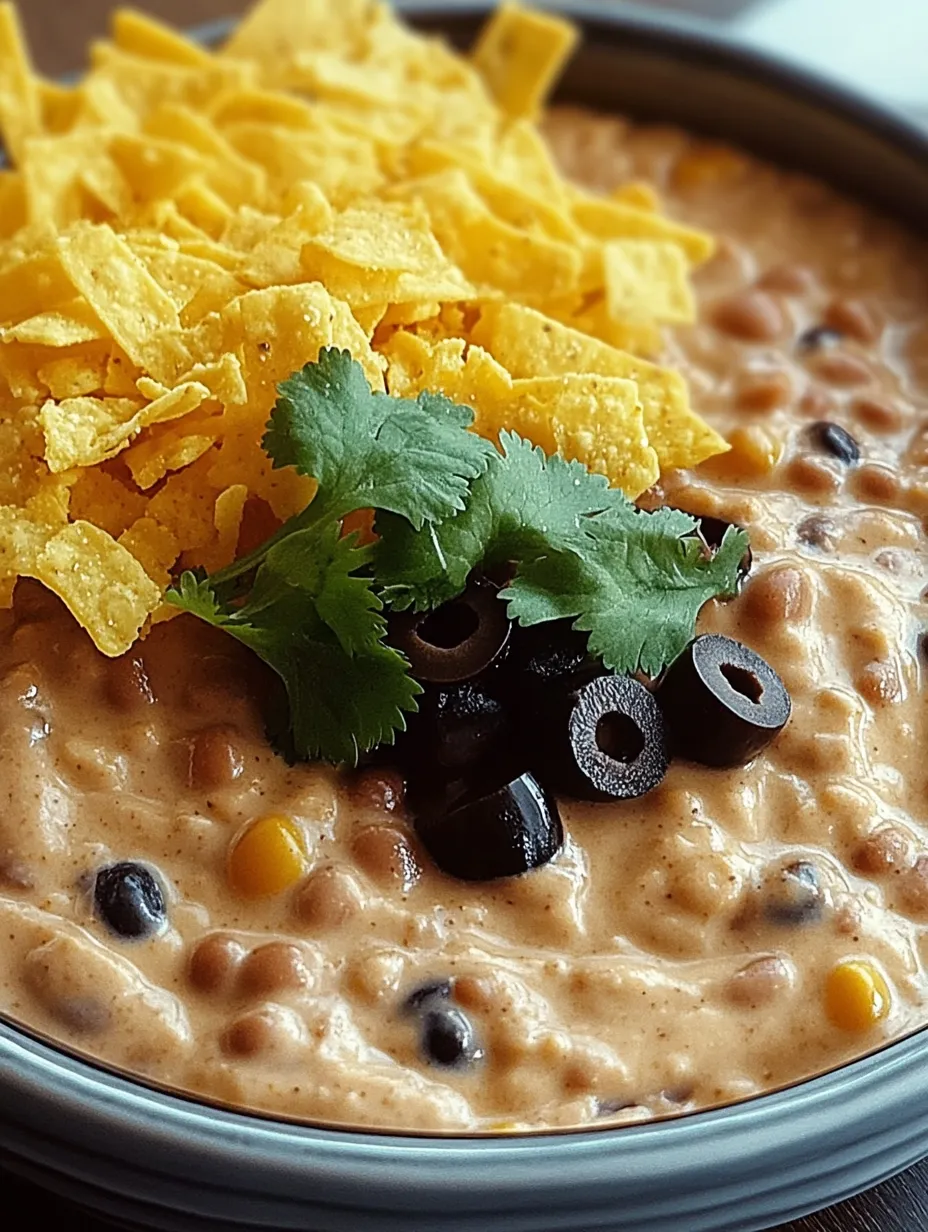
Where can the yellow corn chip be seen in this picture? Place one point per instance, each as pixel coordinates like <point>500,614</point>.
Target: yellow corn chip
<point>154,547</point>
<point>204,208</point>
<point>520,54</point>
<point>638,193</point>
<point>595,420</point>
<point>120,290</point>
<point>32,287</point>
<point>141,35</point>
<point>223,379</point>
<point>528,344</point>
<point>12,203</point>
<point>69,325</point>
<point>85,431</point>
<point>101,583</point>
<point>60,105</point>
<point>277,260</point>
<point>74,377</point>
<point>24,532</point>
<point>647,280</point>
<point>20,104</point>
<point>228,512</point>
<point>185,505</point>
<point>488,250</point>
<point>614,219</point>
<point>100,498</point>
<point>161,451</point>
<point>273,30</point>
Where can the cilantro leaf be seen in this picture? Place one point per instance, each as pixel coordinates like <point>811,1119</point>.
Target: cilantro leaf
<point>319,625</point>
<point>523,505</point>
<point>636,589</point>
<point>369,450</point>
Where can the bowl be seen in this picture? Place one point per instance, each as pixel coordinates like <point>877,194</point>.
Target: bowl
<point>159,1161</point>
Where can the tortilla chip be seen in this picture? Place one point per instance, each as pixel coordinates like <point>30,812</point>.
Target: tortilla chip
<point>528,344</point>
<point>86,431</point>
<point>141,35</point>
<point>520,54</point>
<point>613,219</point>
<point>154,547</point>
<point>647,280</point>
<point>101,582</point>
<point>20,104</point>
<point>120,290</point>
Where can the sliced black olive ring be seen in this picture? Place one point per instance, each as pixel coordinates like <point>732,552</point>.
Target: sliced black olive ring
<point>458,640</point>
<point>616,744</point>
<point>722,702</point>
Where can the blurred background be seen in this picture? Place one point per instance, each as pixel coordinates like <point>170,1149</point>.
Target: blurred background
<point>882,48</point>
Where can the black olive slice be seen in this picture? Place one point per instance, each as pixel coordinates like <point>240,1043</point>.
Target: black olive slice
<point>503,834</point>
<point>837,441</point>
<point>603,739</point>
<point>722,701</point>
<point>458,640</point>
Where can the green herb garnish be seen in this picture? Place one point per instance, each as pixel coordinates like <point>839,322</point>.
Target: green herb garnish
<point>310,602</point>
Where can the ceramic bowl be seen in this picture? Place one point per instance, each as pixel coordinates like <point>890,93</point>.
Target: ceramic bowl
<point>158,1161</point>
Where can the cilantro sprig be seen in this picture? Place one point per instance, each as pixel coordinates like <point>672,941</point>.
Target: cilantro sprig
<point>310,601</point>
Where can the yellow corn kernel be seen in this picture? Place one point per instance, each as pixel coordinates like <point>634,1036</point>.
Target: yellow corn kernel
<point>267,858</point>
<point>856,996</point>
<point>708,165</point>
<point>755,451</point>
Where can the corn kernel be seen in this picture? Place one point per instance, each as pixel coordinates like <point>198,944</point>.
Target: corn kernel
<point>857,996</point>
<point>708,165</point>
<point>755,450</point>
<point>267,858</point>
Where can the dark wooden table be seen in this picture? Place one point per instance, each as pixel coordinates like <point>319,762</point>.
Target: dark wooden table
<point>60,30</point>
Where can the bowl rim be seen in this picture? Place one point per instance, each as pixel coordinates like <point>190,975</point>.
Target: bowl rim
<point>112,1105</point>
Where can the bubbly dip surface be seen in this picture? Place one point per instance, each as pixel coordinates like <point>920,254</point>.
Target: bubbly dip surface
<point>729,933</point>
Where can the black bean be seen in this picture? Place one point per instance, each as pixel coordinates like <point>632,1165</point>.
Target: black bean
<point>448,1038</point>
<point>818,338</point>
<point>130,900</point>
<point>427,995</point>
<point>793,895</point>
<point>818,531</point>
<point>837,441</point>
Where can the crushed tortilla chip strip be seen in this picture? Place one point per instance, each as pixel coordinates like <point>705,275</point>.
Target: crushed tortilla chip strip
<point>74,377</point>
<point>85,431</point>
<point>528,344</point>
<point>101,498</point>
<point>120,290</point>
<point>102,584</point>
<point>638,193</point>
<point>69,325</point>
<point>141,35</point>
<point>160,452</point>
<point>272,31</point>
<point>20,104</point>
<point>593,419</point>
<point>520,54</point>
<point>612,219</point>
<point>154,547</point>
<point>184,504</point>
<point>647,280</point>
<point>228,513</point>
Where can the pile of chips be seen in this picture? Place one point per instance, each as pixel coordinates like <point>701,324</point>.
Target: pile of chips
<point>181,230</point>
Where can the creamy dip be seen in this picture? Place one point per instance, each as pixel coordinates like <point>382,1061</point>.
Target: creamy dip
<point>676,953</point>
